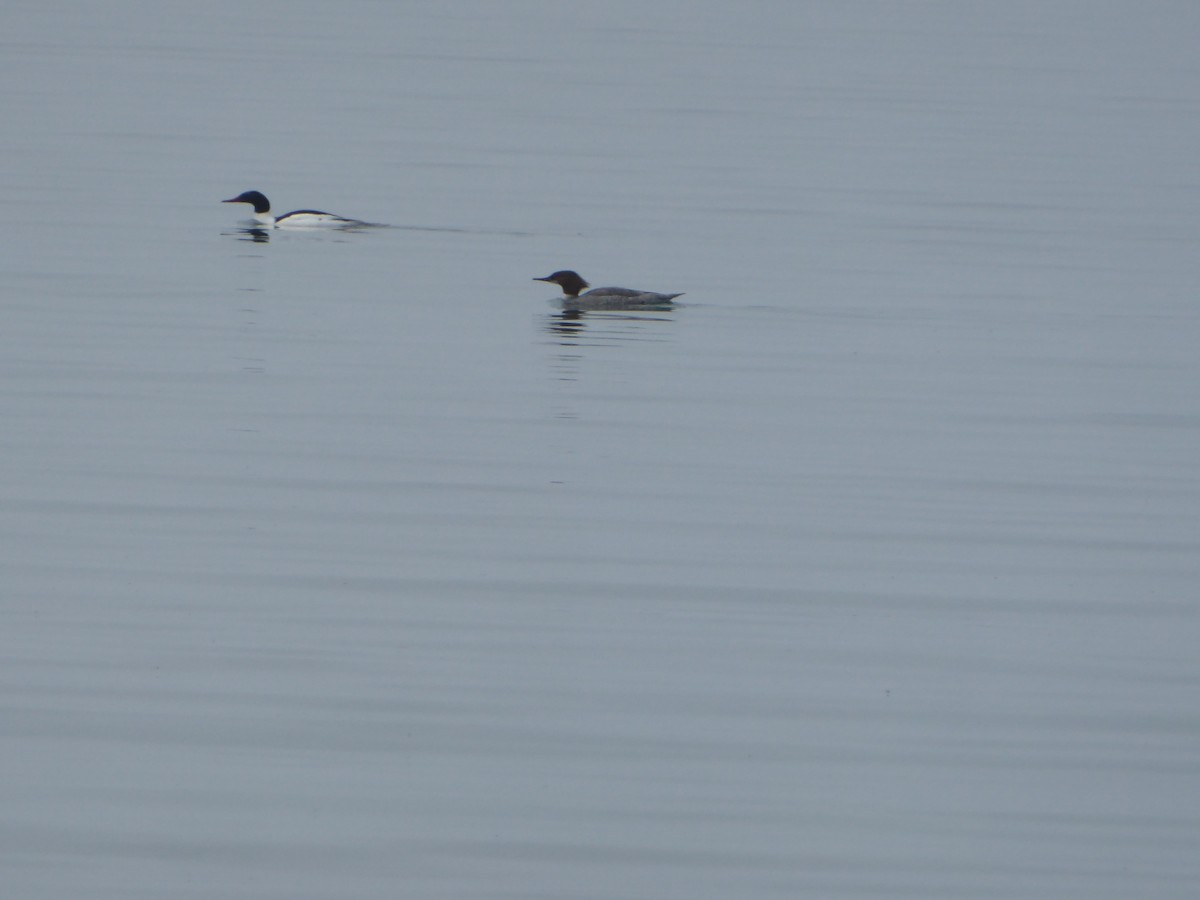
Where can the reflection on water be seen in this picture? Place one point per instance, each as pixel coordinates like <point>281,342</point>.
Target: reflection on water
<point>574,332</point>
<point>574,327</point>
<point>262,235</point>
<point>568,325</point>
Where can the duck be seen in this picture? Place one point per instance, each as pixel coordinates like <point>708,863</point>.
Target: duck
<point>297,218</point>
<point>576,295</point>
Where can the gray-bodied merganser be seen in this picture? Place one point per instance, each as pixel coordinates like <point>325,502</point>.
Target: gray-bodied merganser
<point>298,218</point>
<point>604,297</point>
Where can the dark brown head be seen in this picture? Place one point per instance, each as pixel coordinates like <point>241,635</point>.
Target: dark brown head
<point>569,281</point>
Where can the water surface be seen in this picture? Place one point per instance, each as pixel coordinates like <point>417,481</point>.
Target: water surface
<point>347,564</point>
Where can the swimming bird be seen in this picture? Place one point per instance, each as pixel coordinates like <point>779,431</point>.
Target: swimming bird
<point>604,297</point>
<point>297,218</point>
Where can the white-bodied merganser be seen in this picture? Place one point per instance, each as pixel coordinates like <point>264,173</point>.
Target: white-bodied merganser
<point>297,218</point>
<point>604,297</point>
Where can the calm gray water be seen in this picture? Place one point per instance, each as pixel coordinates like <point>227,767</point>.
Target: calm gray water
<point>345,565</point>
